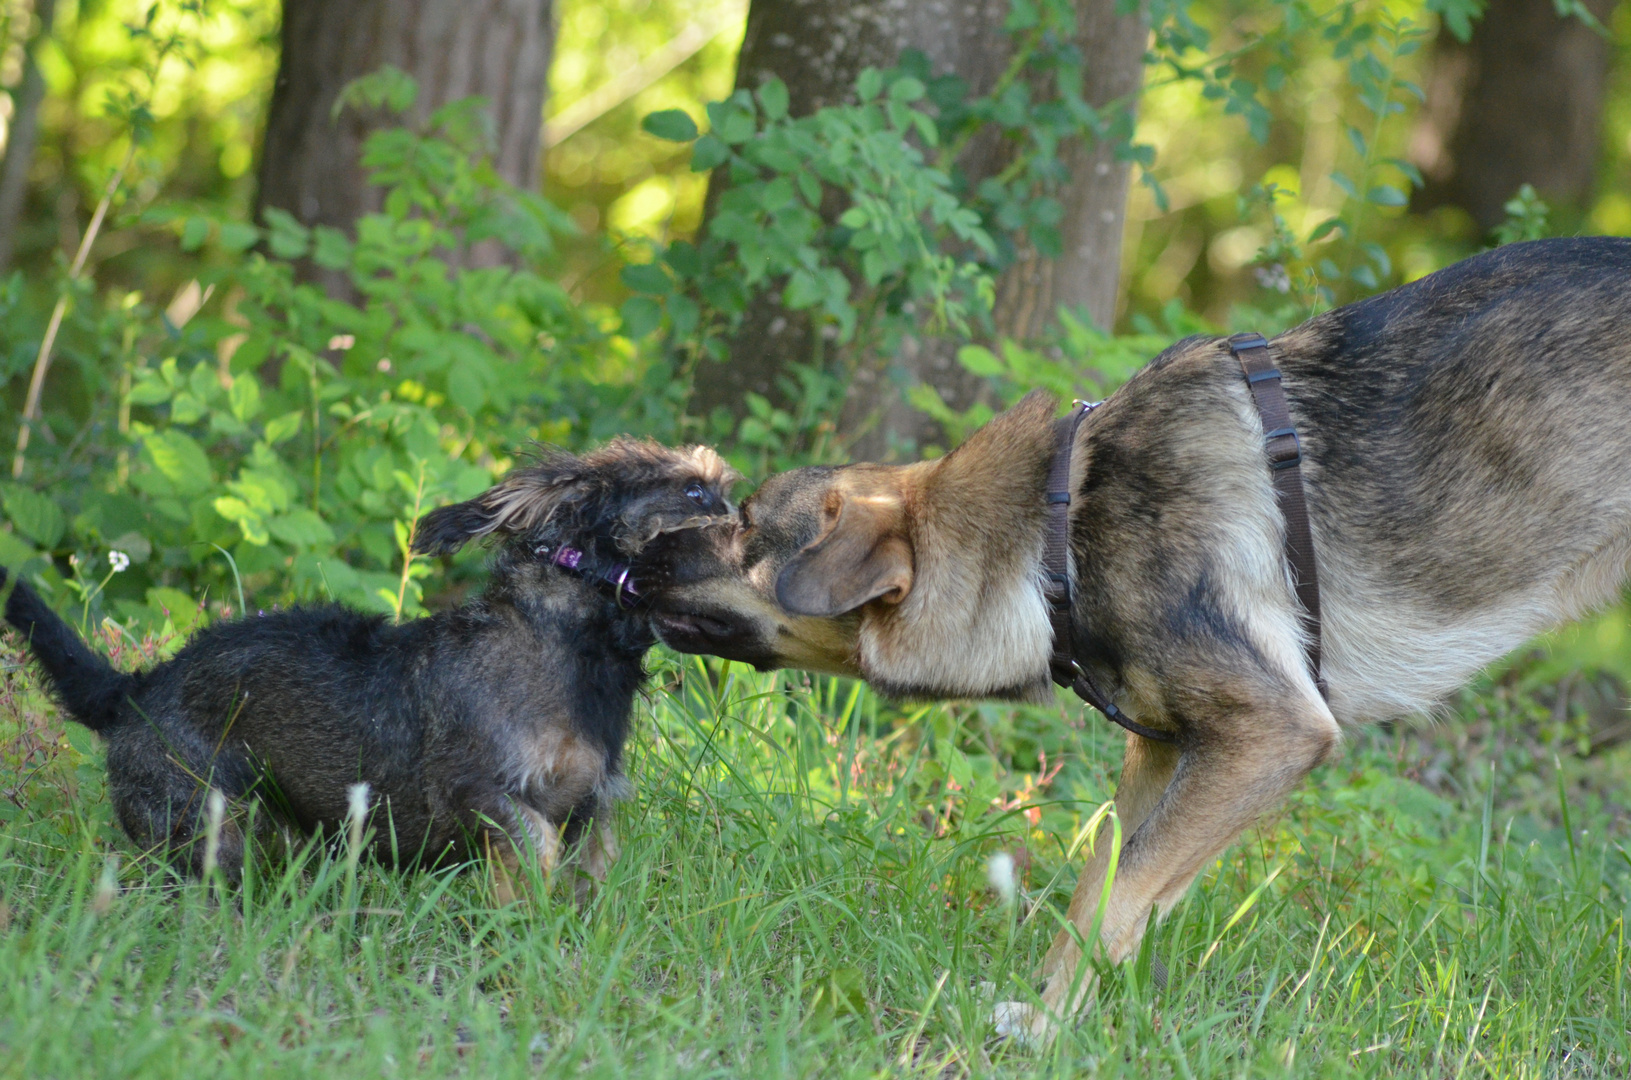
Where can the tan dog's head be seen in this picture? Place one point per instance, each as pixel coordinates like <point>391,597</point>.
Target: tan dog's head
<point>919,578</point>
<point>726,601</point>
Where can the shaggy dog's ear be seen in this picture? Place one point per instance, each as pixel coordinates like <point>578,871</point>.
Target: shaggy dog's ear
<point>521,502</point>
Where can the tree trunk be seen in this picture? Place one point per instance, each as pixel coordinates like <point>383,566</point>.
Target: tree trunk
<point>1087,274</point>
<point>499,49</point>
<point>818,47</point>
<point>1521,103</point>
<point>23,136</point>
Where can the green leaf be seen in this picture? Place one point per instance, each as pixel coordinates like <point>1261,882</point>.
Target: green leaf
<point>683,258</point>
<point>245,397</point>
<point>641,315</point>
<point>180,459</point>
<point>182,609</point>
<point>1326,228</point>
<point>856,217</point>
<point>683,315</point>
<point>467,387</point>
<point>194,233</point>
<point>978,361</point>
<point>287,238</point>
<point>388,88</point>
<point>803,290</point>
<point>675,125</point>
<point>239,236</point>
<point>81,739</point>
<point>15,552</point>
<point>302,528</point>
<point>1387,195</point>
<point>332,250</point>
<point>809,187</point>
<point>1022,15</point>
<point>647,278</point>
<point>250,524</point>
<point>773,99</point>
<point>907,89</point>
<point>709,153</point>
<point>738,127</point>
<point>869,84</point>
<point>35,515</point>
<point>282,427</point>
<point>149,390</point>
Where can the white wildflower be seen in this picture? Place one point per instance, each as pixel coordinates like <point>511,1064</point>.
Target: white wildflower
<point>1000,872</point>
<point>342,342</point>
<point>356,810</point>
<point>119,561</point>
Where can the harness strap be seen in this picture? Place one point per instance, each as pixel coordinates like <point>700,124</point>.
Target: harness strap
<point>1056,584</point>
<point>1285,459</point>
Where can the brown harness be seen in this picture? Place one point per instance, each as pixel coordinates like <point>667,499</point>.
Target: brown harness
<point>1285,460</point>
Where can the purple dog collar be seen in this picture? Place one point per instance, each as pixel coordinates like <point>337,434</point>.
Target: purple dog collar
<point>617,575</point>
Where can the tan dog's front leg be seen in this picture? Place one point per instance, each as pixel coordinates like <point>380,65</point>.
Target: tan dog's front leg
<point>1178,810</point>
<point>1146,772</point>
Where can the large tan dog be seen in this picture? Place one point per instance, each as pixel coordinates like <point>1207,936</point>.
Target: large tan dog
<point>1467,460</point>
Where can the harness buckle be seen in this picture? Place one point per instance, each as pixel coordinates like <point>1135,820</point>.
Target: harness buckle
<point>1283,455</point>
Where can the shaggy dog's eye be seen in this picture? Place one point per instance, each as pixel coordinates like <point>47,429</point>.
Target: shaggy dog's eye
<point>699,495</point>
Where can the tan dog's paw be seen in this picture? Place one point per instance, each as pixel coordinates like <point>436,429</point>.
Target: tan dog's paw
<point>1024,1023</point>
<point>1013,1020</point>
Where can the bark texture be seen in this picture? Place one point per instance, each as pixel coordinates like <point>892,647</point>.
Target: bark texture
<point>818,47</point>
<point>23,137</point>
<point>1521,103</point>
<point>499,49</point>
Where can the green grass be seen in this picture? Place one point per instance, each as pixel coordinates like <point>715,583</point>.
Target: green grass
<point>803,893</point>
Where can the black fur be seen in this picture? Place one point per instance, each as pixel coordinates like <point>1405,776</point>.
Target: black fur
<point>86,684</point>
<point>469,726</point>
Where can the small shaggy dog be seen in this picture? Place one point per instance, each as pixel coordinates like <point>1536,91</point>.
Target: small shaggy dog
<point>493,729</point>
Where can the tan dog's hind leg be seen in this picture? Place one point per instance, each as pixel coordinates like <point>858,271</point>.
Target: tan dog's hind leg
<point>1146,772</point>
<point>1178,810</point>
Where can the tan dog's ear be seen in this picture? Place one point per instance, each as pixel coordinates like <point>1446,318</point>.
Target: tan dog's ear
<point>864,555</point>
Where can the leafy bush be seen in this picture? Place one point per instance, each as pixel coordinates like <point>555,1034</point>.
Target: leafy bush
<point>301,435</point>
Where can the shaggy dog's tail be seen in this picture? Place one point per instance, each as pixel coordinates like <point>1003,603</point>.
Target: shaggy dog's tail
<point>85,684</point>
